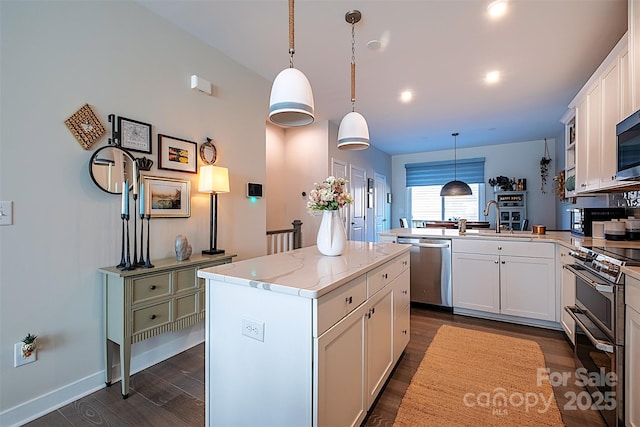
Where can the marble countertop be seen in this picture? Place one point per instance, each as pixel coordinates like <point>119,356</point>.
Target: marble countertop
<point>483,233</point>
<point>305,272</point>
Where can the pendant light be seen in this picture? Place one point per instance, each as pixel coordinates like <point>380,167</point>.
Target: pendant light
<point>353,133</point>
<point>455,187</point>
<point>291,102</point>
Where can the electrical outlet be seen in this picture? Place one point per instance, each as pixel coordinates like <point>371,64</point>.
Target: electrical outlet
<point>6,213</point>
<point>253,329</point>
<point>19,359</point>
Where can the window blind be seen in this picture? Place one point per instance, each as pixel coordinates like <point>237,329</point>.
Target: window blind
<point>470,171</point>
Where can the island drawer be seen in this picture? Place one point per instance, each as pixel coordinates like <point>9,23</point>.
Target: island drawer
<point>401,296</point>
<point>149,287</point>
<point>330,308</point>
<point>379,277</point>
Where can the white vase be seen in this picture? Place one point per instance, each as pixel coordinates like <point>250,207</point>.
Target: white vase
<point>332,237</point>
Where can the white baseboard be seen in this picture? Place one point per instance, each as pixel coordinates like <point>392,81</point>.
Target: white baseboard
<point>42,405</point>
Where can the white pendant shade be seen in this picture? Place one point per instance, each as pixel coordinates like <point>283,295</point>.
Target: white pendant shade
<point>353,133</point>
<point>291,102</point>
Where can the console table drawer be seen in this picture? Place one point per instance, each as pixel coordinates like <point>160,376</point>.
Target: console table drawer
<point>187,305</point>
<point>184,280</point>
<point>150,287</point>
<point>151,317</point>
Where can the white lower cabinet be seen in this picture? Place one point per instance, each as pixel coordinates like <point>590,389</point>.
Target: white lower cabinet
<point>379,342</point>
<point>401,314</point>
<point>632,352</point>
<point>340,382</point>
<point>476,281</point>
<point>505,277</point>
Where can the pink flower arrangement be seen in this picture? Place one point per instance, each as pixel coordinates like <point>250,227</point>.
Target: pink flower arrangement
<point>328,195</point>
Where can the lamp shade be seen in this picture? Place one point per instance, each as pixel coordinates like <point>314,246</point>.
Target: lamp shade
<point>291,102</point>
<point>213,179</point>
<point>353,133</point>
<point>456,188</point>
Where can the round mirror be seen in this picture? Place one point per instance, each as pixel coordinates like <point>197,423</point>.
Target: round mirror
<point>110,167</point>
<point>208,153</point>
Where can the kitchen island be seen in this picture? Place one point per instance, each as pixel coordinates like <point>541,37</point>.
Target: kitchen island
<point>301,339</point>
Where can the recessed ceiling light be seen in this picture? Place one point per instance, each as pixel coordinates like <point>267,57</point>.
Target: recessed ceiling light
<point>374,44</point>
<point>492,77</point>
<point>406,96</point>
<point>497,8</point>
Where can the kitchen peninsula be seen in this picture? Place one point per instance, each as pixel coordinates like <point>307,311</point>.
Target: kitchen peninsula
<point>301,339</point>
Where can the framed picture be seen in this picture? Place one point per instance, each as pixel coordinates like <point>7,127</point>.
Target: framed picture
<point>134,135</point>
<point>167,197</point>
<point>85,126</point>
<point>177,154</point>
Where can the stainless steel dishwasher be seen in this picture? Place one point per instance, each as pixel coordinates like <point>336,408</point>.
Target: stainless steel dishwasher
<point>430,270</point>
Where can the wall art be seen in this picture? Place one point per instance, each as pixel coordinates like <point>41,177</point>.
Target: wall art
<point>167,197</point>
<point>134,135</point>
<point>85,126</point>
<point>177,154</point>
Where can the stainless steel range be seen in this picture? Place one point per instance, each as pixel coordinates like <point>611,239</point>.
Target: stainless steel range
<point>599,316</point>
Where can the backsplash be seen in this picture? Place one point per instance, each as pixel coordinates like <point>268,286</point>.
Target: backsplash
<point>629,199</point>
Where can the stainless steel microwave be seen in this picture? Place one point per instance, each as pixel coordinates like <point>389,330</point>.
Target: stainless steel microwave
<point>628,146</point>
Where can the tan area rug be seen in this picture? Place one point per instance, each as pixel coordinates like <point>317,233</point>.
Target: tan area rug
<point>473,378</point>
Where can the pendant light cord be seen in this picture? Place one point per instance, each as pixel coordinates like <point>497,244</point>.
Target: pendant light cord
<point>455,157</point>
<point>353,64</point>
<point>292,48</point>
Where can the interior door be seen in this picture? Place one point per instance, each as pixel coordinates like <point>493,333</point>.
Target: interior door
<point>380,205</point>
<point>358,181</point>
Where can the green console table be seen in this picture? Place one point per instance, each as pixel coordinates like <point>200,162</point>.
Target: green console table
<point>145,302</point>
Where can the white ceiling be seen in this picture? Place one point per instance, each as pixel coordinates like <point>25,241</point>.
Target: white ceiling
<point>439,49</point>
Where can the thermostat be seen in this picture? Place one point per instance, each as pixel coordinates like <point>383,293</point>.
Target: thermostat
<point>254,190</point>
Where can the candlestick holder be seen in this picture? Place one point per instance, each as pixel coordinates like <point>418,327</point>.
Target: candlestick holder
<point>148,263</point>
<point>122,259</point>
<point>135,229</point>
<point>127,264</point>
<point>141,262</point>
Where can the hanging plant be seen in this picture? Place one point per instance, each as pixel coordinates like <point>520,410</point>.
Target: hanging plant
<point>544,166</point>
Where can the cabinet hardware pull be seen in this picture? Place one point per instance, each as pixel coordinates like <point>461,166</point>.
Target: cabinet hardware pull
<point>503,262</point>
<point>152,287</point>
<point>153,316</point>
<point>349,300</point>
<point>495,262</point>
<point>499,248</point>
<point>373,310</point>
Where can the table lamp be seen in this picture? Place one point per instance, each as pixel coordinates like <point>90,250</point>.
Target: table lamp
<point>213,180</point>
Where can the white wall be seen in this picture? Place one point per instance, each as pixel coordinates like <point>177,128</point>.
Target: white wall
<point>299,157</point>
<point>516,160</point>
<point>121,59</point>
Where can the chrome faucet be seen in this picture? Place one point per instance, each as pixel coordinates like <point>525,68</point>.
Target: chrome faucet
<point>486,212</point>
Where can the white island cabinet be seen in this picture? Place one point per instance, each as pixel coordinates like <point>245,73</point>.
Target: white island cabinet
<point>301,339</point>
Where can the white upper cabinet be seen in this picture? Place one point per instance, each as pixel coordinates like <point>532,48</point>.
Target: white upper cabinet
<point>604,101</point>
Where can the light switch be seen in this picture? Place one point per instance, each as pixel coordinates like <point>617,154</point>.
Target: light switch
<point>6,213</point>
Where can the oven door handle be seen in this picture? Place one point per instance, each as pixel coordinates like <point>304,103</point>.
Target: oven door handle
<point>597,286</point>
<point>606,346</point>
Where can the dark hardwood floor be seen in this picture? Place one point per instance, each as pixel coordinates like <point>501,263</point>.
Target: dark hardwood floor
<point>171,393</point>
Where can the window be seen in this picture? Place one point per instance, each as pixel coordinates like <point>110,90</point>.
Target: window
<point>425,180</point>
<point>428,205</point>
